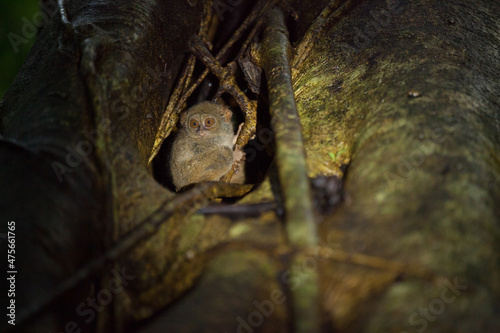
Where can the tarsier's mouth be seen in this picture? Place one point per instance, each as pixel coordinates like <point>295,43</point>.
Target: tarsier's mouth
<point>202,132</point>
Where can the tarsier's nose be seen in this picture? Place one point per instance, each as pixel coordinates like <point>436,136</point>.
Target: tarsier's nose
<point>202,131</point>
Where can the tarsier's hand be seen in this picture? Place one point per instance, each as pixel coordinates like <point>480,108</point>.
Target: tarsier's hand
<point>239,156</point>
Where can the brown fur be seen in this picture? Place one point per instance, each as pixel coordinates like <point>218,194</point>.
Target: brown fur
<point>196,158</point>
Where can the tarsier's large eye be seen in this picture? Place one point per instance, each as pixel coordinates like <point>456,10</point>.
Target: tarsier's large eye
<point>209,122</point>
<point>193,123</point>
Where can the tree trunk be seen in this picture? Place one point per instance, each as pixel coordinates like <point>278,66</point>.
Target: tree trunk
<point>99,72</point>
<point>403,92</point>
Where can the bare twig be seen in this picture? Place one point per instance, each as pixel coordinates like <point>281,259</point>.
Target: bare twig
<point>170,115</point>
<point>176,102</point>
<point>221,56</point>
<point>227,83</point>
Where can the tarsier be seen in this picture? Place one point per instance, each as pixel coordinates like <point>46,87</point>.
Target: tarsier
<point>203,148</point>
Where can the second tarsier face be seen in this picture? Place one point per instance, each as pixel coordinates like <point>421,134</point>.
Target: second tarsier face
<point>202,125</point>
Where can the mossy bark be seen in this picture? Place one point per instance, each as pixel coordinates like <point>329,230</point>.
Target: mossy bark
<point>405,92</point>
<point>409,93</point>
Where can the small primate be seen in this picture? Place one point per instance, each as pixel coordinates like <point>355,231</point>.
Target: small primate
<point>203,148</point>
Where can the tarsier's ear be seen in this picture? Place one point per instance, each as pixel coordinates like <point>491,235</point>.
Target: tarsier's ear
<point>183,117</point>
<point>227,114</point>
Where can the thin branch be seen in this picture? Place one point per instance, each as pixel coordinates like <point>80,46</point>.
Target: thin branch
<point>254,16</point>
<point>227,83</point>
<point>169,118</point>
<point>291,162</point>
<point>176,101</point>
<point>240,211</point>
<point>290,152</point>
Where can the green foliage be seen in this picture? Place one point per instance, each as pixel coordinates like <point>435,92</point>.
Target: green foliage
<point>11,21</point>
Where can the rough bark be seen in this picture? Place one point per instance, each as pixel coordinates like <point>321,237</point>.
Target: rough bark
<point>405,92</point>
<point>99,72</point>
<point>412,106</point>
